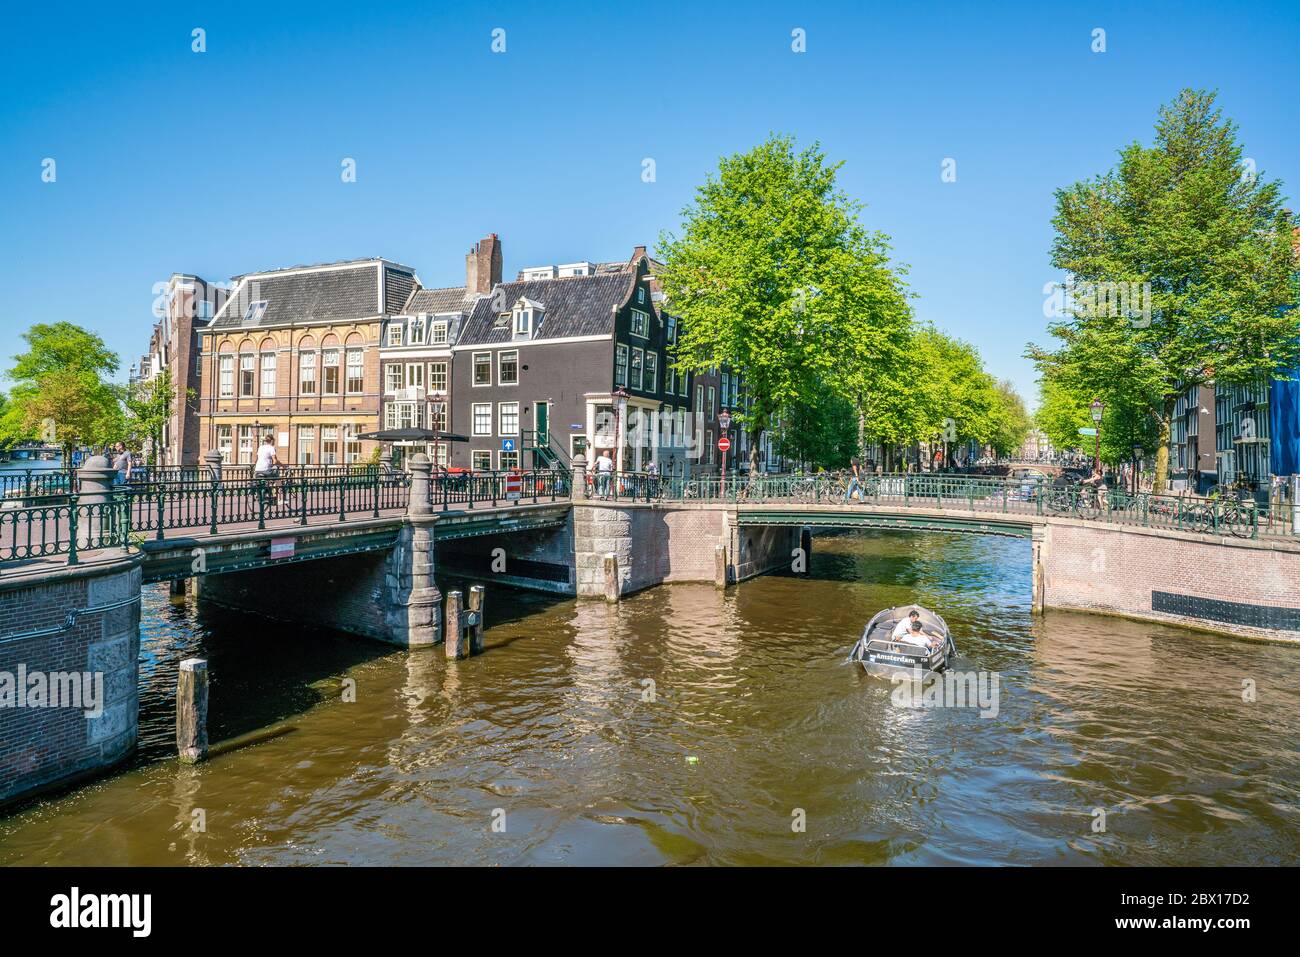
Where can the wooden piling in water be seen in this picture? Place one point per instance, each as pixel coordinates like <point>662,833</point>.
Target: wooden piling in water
<point>611,577</point>
<point>454,627</point>
<point>192,711</point>
<point>477,603</point>
<point>720,566</point>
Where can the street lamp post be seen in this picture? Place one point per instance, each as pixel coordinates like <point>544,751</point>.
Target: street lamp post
<point>1137,466</point>
<point>619,396</point>
<point>1097,407</point>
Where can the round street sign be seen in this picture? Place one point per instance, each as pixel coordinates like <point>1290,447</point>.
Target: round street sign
<point>724,444</point>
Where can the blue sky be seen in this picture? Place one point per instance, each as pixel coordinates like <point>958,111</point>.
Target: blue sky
<point>228,161</point>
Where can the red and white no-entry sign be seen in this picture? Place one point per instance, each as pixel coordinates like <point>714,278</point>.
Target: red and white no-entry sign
<point>724,444</point>
<point>514,485</point>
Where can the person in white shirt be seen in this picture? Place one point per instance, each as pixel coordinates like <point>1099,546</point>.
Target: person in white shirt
<point>911,631</point>
<point>604,472</point>
<point>268,463</point>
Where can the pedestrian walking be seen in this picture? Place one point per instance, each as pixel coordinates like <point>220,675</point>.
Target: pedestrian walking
<point>122,463</point>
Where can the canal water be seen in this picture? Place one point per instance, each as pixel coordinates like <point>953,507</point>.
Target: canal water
<point>756,726</point>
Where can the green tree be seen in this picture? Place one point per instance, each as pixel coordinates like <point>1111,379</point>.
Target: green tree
<point>149,406</point>
<point>820,431</point>
<point>1010,423</point>
<point>774,275</point>
<point>1212,244</point>
<point>59,390</point>
<point>1061,414</point>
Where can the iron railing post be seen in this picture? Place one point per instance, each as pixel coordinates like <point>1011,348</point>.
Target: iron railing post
<point>162,492</point>
<point>72,529</point>
<point>214,499</point>
<point>303,491</point>
<point>343,500</point>
<point>374,478</point>
<point>261,503</point>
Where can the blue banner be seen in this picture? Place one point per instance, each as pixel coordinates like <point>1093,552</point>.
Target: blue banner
<point>1284,427</point>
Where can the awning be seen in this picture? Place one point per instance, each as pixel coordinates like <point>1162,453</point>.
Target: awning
<point>413,435</point>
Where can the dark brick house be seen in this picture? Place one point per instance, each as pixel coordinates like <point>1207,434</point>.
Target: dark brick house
<point>566,358</point>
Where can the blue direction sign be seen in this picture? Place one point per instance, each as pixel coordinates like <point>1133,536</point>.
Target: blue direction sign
<point>507,445</point>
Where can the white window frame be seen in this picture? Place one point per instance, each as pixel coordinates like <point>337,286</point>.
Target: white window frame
<point>620,352</point>
<point>644,317</point>
<point>226,375</point>
<point>474,412</point>
<point>636,371</point>
<point>348,355</point>
<point>651,371</point>
<point>501,418</point>
<point>503,464</point>
<point>501,380</point>
<point>438,331</point>
<point>267,369</point>
<point>445,375</point>
<point>394,377</point>
<point>477,456</point>
<point>395,333</point>
<point>307,372</point>
<point>473,370</point>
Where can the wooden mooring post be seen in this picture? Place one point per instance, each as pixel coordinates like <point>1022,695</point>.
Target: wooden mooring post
<point>477,603</point>
<point>454,625</point>
<point>192,711</point>
<point>720,566</point>
<point>611,577</point>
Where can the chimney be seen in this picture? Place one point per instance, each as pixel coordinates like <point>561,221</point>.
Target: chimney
<point>638,252</point>
<point>483,265</point>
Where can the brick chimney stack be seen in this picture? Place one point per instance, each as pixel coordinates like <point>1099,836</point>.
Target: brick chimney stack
<point>483,265</point>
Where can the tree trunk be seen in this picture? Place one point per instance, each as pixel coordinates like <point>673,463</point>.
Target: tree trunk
<point>1162,452</point>
<point>862,432</point>
<point>753,450</point>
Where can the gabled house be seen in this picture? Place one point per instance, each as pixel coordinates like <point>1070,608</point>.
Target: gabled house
<point>549,366</point>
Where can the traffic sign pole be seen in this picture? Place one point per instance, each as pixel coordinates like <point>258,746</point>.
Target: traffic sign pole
<point>724,444</point>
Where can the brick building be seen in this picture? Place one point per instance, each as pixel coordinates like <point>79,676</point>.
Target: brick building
<point>187,306</point>
<point>295,353</point>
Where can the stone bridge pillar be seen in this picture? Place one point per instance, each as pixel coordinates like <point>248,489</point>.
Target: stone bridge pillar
<point>412,601</point>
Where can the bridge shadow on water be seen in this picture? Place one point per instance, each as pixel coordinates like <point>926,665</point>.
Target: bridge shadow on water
<point>263,672</point>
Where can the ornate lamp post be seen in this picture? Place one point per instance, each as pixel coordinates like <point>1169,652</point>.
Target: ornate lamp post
<point>1097,408</point>
<point>1137,466</point>
<point>620,409</point>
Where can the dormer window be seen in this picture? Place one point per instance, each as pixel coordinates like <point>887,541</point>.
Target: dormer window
<point>395,333</point>
<point>527,317</point>
<point>438,332</point>
<point>415,331</point>
<point>256,310</point>
<point>640,295</point>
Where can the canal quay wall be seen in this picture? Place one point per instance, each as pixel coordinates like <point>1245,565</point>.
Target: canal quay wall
<point>69,668</point>
<point>1240,587</point>
<point>656,544</point>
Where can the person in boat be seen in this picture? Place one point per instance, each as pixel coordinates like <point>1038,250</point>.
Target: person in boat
<point>911,631</point>
<point>904,626</point>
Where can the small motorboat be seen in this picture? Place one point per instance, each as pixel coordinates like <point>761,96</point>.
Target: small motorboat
<point>880,654</point>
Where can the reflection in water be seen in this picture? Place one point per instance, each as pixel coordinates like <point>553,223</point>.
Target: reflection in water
<point>754,714</point>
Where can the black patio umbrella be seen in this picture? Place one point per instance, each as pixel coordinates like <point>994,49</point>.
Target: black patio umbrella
<point>413,435</point>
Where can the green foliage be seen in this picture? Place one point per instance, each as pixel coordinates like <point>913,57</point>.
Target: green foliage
<point>1214,244</point>
<point>819,432</point>
<point>775,276</point>
<point>59,383</point>
<point>149,406</point>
